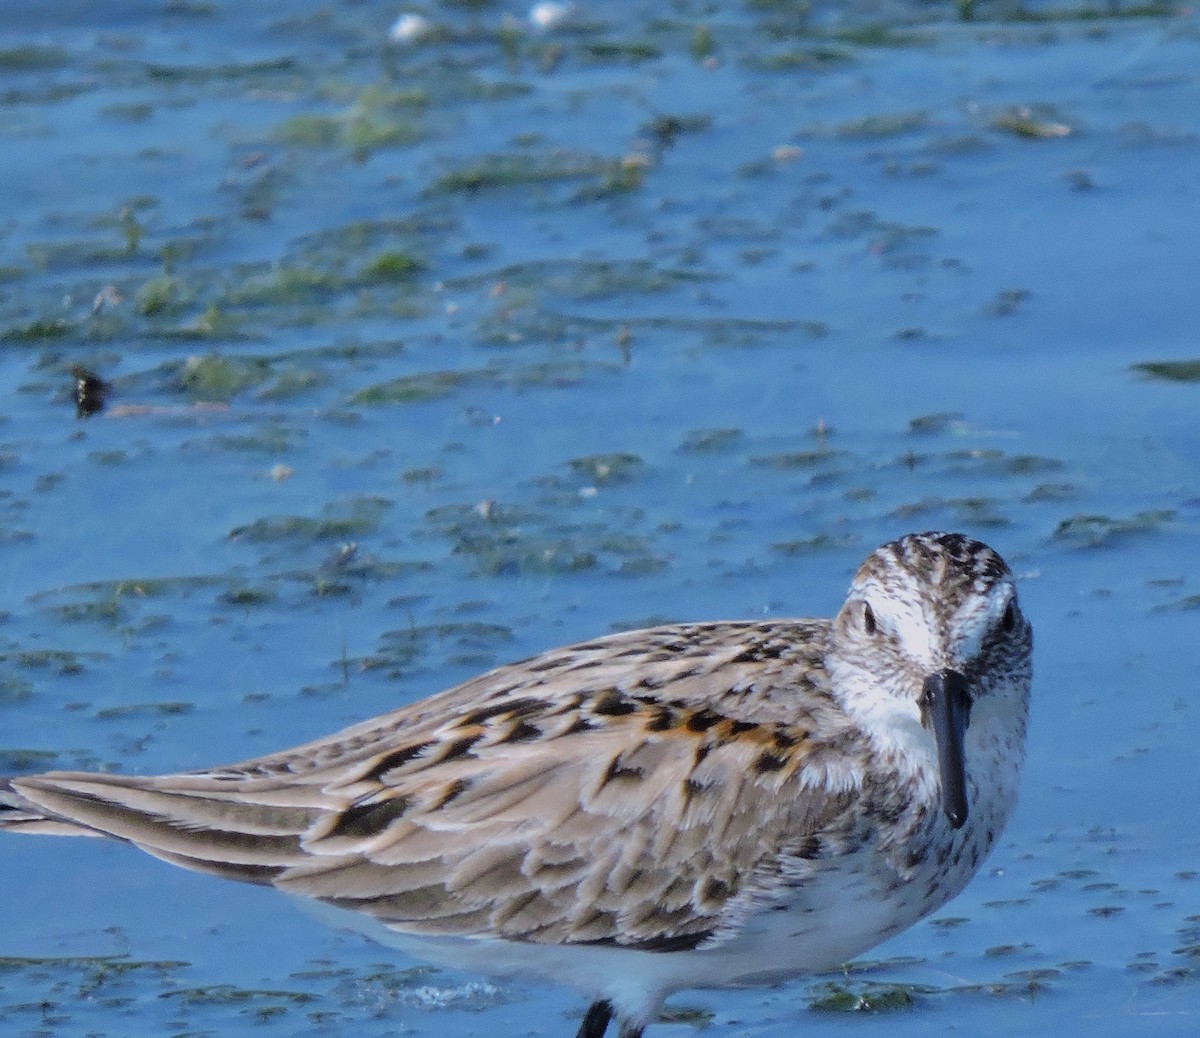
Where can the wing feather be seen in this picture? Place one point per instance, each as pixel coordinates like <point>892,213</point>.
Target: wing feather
<point>633,790</point>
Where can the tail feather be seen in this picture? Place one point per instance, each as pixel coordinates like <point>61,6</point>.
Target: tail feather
<point>18,815</point>
<point>18,818</point>
<point>198,829</point>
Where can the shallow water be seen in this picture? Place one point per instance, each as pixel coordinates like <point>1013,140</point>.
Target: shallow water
<point>659,314</point>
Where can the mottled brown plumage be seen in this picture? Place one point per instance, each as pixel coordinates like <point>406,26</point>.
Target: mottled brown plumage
<point>657,793</point>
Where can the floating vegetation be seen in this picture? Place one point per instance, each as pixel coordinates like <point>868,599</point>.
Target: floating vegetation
<point>796,459</point>
<point>391,267</point>
<point>106,612</point>
<point>710,441</point>
<point>123,711</point>
<point>60,661</point>
<point>494,172</point>
<point>990,461</point>
<point>229,995</point>
<point>813,56</point>
<point>890,125</point>
<point>702,44</point>
<point>421,387</point>
<point>1051,492</point>
<point>666,129</point>
<point>618,176</point>
<point>365,515</point>
<point>287,285</point>
<point>400,650</point>
<point>1084,13</point>
<point>1097,531</point>
<point>248,597</point>
<point>698,1018</point>
<point>22,762</point>
<point>14,689</point>
<point>878,35</point>
<point>633,52</point>
<point>38,330</point>
<point>508,540</point>
<point>97,966</point>
<point>821,542</point>
<point>1169,370</point>
<point>217,378</point>
<point>33,57</point>
<point>1007,302</point>
<point>1031,123</point>
<point>974,511</point>
<point>835,997</point>
<point>1188,604</point>
<point>158,296</point>
<point>378,119</point>
<point>936,424</point>
<point>288,385</point>
<point>607,468</point>
<point>578,279</point>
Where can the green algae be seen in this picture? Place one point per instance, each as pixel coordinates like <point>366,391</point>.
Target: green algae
<point>33,57</point>
<point>125,711</point>
<point>40,329</point>
<point>217,378</point>
<point>391,267</point>
<point>1092,530</point>
<point>893,124</point>
<point>835,997</point>
<point>419,388</point>
<point>710,441</point>
<point>802,459</point>
<point>497,172</point>
<point>365,515</point>
<point>1169,370</point>
<point>619,467</point>
<point>822,542</point>
<point>158,296</point>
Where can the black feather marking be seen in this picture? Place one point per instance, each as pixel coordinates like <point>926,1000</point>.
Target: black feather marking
<point>452,792</point>
<point>660,943</point>
<point>716,889</point>
<point>663,720</point>
<point>617,770</point>
<point>522,731</point>
<point>459,748</point>
<point>515,708</point>
<point>702,720</point>
<point>370,818</point>
<point>767,762</point>
<point>395,759</point>
<point>612,704</point>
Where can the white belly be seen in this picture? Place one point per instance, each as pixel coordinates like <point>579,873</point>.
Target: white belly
<point>837,914</point>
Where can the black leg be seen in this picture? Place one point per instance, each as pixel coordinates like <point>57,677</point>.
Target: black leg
<point>629,1031</point>
<point>595,1020</point>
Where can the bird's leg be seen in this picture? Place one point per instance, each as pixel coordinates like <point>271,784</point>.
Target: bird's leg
<point>628,1030</point>
<point>595,1020</point>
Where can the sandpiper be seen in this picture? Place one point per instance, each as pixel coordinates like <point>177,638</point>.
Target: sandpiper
<point>691,805</point>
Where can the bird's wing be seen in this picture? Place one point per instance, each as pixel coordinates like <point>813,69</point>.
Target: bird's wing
<point>621,791</point>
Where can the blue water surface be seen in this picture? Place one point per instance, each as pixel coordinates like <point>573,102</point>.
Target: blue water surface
<point>428,354</point>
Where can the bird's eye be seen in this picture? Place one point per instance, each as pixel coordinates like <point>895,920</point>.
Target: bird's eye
<point>1009,620</point>
<point>868,618</point>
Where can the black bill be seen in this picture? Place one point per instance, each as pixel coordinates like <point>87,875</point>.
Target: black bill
<point>948,702</point>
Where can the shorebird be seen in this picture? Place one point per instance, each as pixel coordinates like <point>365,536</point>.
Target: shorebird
<point>690,805</point>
